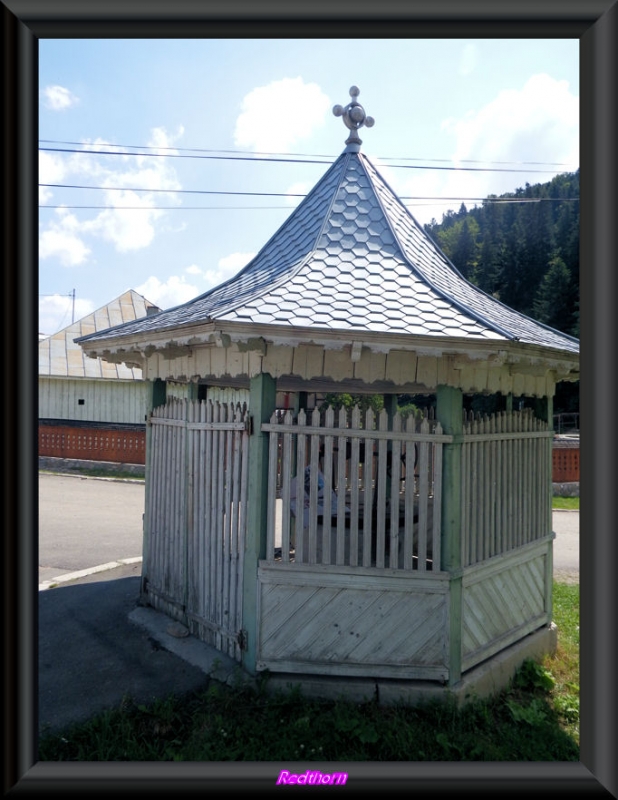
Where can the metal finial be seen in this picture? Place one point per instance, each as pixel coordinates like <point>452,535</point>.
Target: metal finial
<point>354,116</point>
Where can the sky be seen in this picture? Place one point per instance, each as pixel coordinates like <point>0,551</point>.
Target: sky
<point>166,165</point>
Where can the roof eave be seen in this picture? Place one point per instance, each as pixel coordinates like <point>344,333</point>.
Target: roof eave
<point>181,340</point>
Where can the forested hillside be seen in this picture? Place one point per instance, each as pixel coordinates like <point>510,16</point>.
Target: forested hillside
<point>522,248</point>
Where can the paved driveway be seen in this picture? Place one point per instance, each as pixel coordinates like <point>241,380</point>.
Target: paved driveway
<point>86,522</point>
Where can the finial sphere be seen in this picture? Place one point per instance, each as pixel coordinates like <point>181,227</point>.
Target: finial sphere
<point>354,117</point>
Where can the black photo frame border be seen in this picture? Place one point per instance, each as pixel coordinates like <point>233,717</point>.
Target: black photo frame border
<point>595,24</point>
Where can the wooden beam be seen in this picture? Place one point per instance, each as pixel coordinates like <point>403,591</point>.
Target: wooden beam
<point>449,412</point>
<point>262,403</point>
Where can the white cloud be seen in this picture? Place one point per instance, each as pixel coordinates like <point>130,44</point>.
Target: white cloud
<point>226,268</point>
<point>58,98</point>
<point>57,312</point>
<point>537,123</point>
<point>177,289</point>
<point>62,240</point>
<point>52,169</point>
<point>126,229</point>
<point>275,117</point>
<point>172,292</point>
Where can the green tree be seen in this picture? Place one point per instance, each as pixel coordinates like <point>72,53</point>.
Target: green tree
<point>553,303</point>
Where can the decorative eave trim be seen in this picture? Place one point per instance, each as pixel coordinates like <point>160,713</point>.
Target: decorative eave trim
<point>178,342</point>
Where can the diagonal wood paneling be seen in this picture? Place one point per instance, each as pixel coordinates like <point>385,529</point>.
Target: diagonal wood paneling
<point>342,627</point>
<point>502,607</point>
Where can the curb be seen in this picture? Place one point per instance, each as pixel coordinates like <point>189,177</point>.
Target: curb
<point>83,573</point>
<point>43,471</point>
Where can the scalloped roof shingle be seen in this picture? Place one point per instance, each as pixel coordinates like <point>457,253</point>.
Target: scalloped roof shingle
<point>351,257</point>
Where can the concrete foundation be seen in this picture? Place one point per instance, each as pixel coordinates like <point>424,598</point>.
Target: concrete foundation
<point>483,680</point>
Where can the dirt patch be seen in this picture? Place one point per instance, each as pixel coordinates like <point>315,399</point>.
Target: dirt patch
<point>566,576</point>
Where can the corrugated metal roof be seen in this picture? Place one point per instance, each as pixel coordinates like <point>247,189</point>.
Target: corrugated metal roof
<point>60,356</point>
<point>352,258</point>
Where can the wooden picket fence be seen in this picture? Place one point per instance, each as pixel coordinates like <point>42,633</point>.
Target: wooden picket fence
<point>506,483</point>
<point>196,517</point>
<point>369,493</point>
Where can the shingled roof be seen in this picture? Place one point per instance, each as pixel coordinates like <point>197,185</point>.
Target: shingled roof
<point>352,258</point>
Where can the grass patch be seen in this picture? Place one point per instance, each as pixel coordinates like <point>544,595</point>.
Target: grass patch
<point>535,719</point>
<point>570,503</point>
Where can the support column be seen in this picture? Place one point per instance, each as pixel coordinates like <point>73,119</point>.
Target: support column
<point>544,409</point>
<point>390,406</point>
<point>156,397</point>
<point>449,411</point>
<point>262,399</point>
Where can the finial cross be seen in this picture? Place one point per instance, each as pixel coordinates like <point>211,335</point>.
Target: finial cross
<point>354,116</point>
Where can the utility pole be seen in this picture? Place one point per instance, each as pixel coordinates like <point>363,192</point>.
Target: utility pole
<point>73,309</point>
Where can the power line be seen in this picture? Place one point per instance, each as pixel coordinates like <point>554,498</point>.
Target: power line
<point>266,194</point>
<point>416,201</point>
<point>168,191</point>
<point>330,158</point>
<point>287,160</point>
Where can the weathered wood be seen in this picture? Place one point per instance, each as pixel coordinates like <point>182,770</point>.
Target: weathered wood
<point>395,490</point>
<point>341,490</point>
<point>313,488</point>
<point>286,465</point>
<point>329,422</point>
<point>504,599</point>
<point>511,475</point>
<point>350,621</point>
<point>381,491</point>
<point>354,487</point>
<point>273,450</point>
<point>423,498</point>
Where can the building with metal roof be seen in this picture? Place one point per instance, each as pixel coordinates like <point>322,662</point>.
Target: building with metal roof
<point>85,402</point>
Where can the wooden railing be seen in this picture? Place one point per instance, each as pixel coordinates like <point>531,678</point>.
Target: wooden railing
<point>506,484</point>
<point>354,492</point>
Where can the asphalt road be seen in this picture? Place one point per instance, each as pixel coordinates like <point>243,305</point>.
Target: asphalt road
<point>88,522</point>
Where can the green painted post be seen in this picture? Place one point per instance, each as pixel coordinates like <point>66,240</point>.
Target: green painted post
<point>192,391</point>
<point>159,393</point>
<point>509,401</point>
<point>390,405</point>
<point>262,399</point>
<point>449,412</point>
<point>156,397</point>
<point>544,409</point>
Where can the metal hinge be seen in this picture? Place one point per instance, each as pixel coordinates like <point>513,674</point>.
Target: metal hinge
<point>241,638</point>
<point>249,425</point>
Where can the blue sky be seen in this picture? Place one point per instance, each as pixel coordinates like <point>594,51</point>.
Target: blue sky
<point>507,108</point>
